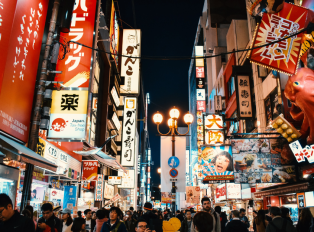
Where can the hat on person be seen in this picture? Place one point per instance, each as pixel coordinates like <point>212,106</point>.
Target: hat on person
<point>148,206</point>
<point>66,210</point>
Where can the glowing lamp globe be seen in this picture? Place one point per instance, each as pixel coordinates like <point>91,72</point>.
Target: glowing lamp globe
<point>170,122</point>
<point>157,118</point>
<point>174,113</point>
<point>188,118</point>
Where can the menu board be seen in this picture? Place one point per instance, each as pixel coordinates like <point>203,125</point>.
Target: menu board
<point>259,161</point>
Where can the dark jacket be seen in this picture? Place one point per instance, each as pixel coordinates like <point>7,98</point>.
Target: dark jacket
<point>180,217</point>
<point>288,218</point>
<point>236,226</point>
<point>17,223</point>
<point>53,222</point>
<point>93,224</point>
<point>185,226</point>
<point>278,222</point>
<point>246,221</point>
<point>106,227</point>
<point>153,222</point>
<point>130,228</point>
<point>305,227</point>
<point>223,223</point>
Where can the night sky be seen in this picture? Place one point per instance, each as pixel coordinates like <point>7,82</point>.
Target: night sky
<point>168,29</point>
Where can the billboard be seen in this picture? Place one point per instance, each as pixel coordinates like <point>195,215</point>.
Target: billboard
<point>130,67</point>
<point>22,26</point>
<point>216,164</point>
<point>128,179</point>
<point>128,134</point>
<point>166,197</point>
<point>193,194</point>
<point>284,55</point>
<point>68,115</point>
<point>213,129</point>
<point>261,161</point>
<point>114,34</point>
<point>77,62</point>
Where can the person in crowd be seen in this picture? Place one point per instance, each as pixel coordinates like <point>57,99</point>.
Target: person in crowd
<point>223,221</point>
<point>260,221</point>
<point>267,215</point>
<point>27,213</point>
<point>254,216</point>
<point>285,213</point>
<point>152,220</point>
<point>206,204</point>
<point>90,223</point>
<point>306,221</point>
<point>155,212</point>
<point>141,226</point>
<point>31,210</point>
<point>218,209</point>
<point>67,220</point>
<point>94,217</point>
<point>244,218</point>
<point>114,224</point>
<point>140,213</point>
<point>49,221</point>
<point>130,222</point>
<point>203,222</point>
<point>102,217</point>
<point>167,215</point>
<point>180,216</point>
<point>278,223</point>
<point>78,223</point>
<point>160,216</point>
<point>187,222</point>
<point>79,214</point>
<point>236,225</point>
<point>11,220</point>
<point>35,218</point>
<point>193,212</point>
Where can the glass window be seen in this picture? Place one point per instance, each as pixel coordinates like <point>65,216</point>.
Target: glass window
<point>231,86</point>
<point>236,124</point>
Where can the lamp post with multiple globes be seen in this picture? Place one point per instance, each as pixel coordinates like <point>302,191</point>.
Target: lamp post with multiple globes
<point>173,132</point>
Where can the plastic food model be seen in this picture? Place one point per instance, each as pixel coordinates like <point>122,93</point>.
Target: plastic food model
<point>300,91</point>
<point>285,129</point>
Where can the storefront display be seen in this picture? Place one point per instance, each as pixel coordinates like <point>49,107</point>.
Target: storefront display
<point>8,181</point>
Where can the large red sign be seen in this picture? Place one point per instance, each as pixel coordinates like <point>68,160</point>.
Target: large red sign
<point>90,168</point>
<point>21,32</point>
<point>284,55</point>
<point>75,66</point>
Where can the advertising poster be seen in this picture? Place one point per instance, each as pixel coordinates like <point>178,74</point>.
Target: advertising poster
<point>166,197</point>
<point>108,191</point>
<point>193,194</point>
<point>216,164</point>
<point>221,192</point>
<point>259,161</point>
<point>69,197</point>
<point>85,203</point>
<point>233,191</point>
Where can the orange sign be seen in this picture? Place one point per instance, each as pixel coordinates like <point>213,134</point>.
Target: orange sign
<point>284,55</point>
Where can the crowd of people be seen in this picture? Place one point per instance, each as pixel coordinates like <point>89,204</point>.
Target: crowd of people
<point>149,220</point>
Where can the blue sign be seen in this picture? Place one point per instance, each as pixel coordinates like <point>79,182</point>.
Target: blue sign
<point>69,197</point>
<point>173,173</point>
<point>173,162</point>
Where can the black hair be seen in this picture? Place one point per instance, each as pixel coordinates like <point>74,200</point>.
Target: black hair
<point>79,213</point>
<point>187,211</point>
<point>86,211</point>
<point>284,212</point>
<point>129,212</point>
<point>27,213</point>
<point>131,208</point>
<point>205,199</point>
<point>140,220</point>
<point>223,215</point>
<point>218,209</point>
<point>242,210</point>
<point>228,156</point>
<point>46,207</point>
<point>260,218</point>
<point>117,210</point>
<point>77,223</point>
<point>5,200</point>
<point>30,209</point>
<point>178,211</point>
<point>203,221</point>
<point>69,220</point>
<point>275,211</point>
<point>236,213</point>
<point>100,214</point>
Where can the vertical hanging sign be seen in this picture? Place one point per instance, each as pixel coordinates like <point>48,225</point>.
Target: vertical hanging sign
<point>99,187</point>
<point>200,74</point>
<point>128,135</point>
<point>244,97</point>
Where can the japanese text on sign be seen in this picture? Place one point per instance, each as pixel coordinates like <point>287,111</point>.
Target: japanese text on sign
<point>244,96</point>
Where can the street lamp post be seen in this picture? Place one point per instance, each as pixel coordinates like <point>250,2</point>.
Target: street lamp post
<point>173,132</point>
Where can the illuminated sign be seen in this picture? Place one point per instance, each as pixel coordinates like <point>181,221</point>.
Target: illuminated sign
<point>99,187</point>
<point>244,97</point>
<point>200,94</point>
<point>201,106</point>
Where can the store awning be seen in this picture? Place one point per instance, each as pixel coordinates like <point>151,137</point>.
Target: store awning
<point>27,155</point>
<point>280,190</point>
<point>108,161</point>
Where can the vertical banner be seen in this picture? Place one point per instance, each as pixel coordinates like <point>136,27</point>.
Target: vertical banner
<point>99,188</point>
<point>68,115</point>
<point>114,34</point>
<point>22,26</point>
<point>69,197</point>
<point>169,169</point>
<point>244,97</point>
<point>90,169</point>
<point>214,129</point>
<point>130,67</point>
<point>193,194</point>
<point>128,135</point>
<point>77,62</point>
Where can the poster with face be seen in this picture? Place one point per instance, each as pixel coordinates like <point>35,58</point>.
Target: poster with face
<point>216,164</point>
<point>259,161</point>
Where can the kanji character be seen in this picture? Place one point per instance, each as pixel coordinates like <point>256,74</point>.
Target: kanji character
<point>17,51</point>
<point>23,66</point>
<point>31,24</point>
<point>76,60</point>
<point>245,103</point>
<point>78,32</point>
<point>20,39</point>
<point>22,28</point>
<point>243,82</point>
<point>34,43</point>
<point>244,94</point>
<point>1,5</point>
<point>39,15</point>
<point>37,26</point>
<point>214,121</point>
<point>23,19</point>
<point>21,76</point>
<point>29,31</point>
<point>15,63</point>
<point>27,42</point>
<point>69,101</point>
<point>40,6</point>
<point>300,156</point>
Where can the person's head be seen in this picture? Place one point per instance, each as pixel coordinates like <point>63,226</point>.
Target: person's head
<point>188,214</point>
<point>66,216</point>
<point>203,222</point>
<point>274,211</point>
<point>242,212</point>
<point>160,216</point>
<point>78,224</point>
<point>206,204</point>
<point>254,213</point>
<point>129,214</point>
<point>6,207</point>
<point>218,209</point>
<point>114,213</point>
<point>27,213</point>
<point>94,215</point>
<point>260,218</point>
<point>100,214</point>
<point>285,212</point>
<point>88,214</point>
<point>235,214</point>
<point>79,213</point>
<point>30,209</point>
<point>306,215</point>
<point>131,209</point>
<point>178,212</point>
<point>141,225</point>
<point>148,206</point>
<point>222,162</point>
<point>46,210</point>
<point>223,215</point>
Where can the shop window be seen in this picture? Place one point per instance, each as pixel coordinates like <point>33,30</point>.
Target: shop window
<point>272,107</point>
<point>231,86</point>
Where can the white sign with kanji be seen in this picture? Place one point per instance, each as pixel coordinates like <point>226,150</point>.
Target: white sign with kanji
<point>302,153</point>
